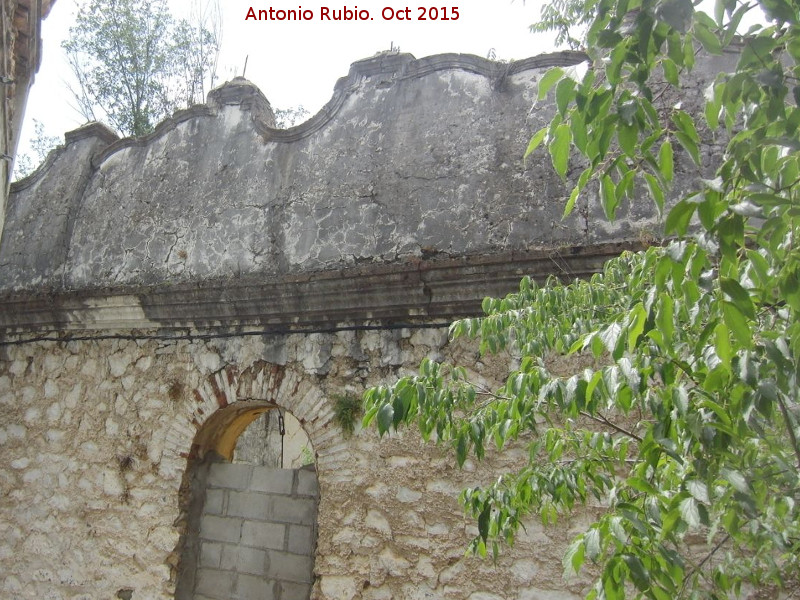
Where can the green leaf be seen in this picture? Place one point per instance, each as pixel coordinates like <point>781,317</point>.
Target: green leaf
<point>670,71</point>
<point>627,135</point>
<point>654,186</point>
<point>591,540</point>
<point>687,134</point>
<point>549,80</point>
<point>573,558</point>
<point>536,140</point>
<point>576,191</point>
<point>665,317</point>
<point>780,10</point>
<point>739,296</point>
<point>678,218</point>
<point>736,479</point>
<point>706,37</point>
<point>722,344</point>
<point>639,575</point>
<point>689,512</point>
<point>698,490</point>
<point>461,448</point>
<point>483,522</point>
<point>608,197</point>
<point>559,149</point>
<point>637,319</point>
<point>665,161</point>
<point>385,418</point>
<point>737,323</point>
<point>565,92</point>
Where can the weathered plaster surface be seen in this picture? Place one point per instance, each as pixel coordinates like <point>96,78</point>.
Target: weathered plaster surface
<point>416,157</point>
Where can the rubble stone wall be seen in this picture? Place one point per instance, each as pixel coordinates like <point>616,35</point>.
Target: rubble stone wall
<point>96,436</point>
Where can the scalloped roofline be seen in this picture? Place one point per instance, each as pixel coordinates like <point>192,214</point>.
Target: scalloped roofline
<point>239,91</point>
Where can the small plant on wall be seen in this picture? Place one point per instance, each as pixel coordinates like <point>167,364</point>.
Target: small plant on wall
<point>347,411</point>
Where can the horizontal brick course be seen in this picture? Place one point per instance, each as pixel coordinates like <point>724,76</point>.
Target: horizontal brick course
<point>294,510</point>
<point>251,505</point>
<point>214,501</point>
<point>307,483</point>
<point>289,567</point>
<point>226,475</point>
<point>244,560</point>
<point>301,539</point>
<point>274,481</point>
<point>257,588</point>
<point>214,583</point>
<point>220,529</point>
<point>263,535</point>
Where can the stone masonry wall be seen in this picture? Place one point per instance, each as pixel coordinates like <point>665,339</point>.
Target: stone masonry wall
<point>257,533</point>
<point>96,434</point>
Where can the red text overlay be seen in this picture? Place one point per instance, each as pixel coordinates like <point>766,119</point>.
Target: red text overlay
<point>354,13</point>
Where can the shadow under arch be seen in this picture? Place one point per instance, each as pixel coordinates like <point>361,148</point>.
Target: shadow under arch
<point>246,529</point>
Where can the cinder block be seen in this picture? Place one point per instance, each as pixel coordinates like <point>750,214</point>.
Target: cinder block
<point>256,588</point>
<point>295,591</point>
<point>289,567</point>
<point>217,584</point>
<point>220,529</point>
<point>213,503</point>
<point>263,535</point>
<point>301,539</point>
<point>294,510</point>
<point>227,475</point>
<point>244,560</point>
<point>307,483</point>
<point>250,505</point>
<point>210,553</point>
<point>273,481</point>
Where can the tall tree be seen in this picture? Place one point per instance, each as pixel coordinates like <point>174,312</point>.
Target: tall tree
<point>134,65</point>
<point>41,144</point>
<point>196,51</point>
<point>687,427</point>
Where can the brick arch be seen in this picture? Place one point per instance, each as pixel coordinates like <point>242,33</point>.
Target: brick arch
<point>220,402</point>
<point>274,385</point>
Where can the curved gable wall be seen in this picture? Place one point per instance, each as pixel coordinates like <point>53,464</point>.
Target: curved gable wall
<point>413,165</point>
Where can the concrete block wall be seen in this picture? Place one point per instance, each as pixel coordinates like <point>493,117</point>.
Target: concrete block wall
<point>257,534</point>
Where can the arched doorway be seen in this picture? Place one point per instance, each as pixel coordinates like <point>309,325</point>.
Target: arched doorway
<point>250,499</point>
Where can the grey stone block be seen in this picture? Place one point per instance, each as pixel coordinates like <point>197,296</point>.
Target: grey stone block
<point>213,503</point>
<point>217,584</point>
<point>220,529</point>
<point>210,553</point>
<point>294,510</point>
<point>244,560</point>
<point>227,475</point>
<point>307,483</point>
<point>301,539</point>
<point>263,535</point>
<point>256,588</point>
<point>250,505</point>
<point>289,567</point>
<point>274,481</point>
<point>295,591</point>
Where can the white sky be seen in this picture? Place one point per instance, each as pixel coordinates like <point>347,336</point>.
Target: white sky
<point>298,62</point>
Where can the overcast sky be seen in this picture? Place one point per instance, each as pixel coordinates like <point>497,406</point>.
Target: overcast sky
<point>298,62</point>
